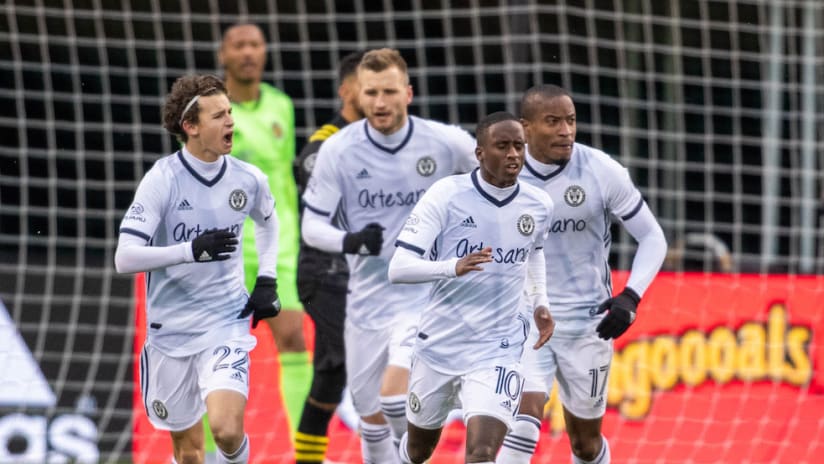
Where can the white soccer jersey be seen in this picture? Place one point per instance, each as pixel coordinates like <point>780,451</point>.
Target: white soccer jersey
<point>191,304</point>
<point>477,319</point>
<point>588,191</point>
<point>363,182</point>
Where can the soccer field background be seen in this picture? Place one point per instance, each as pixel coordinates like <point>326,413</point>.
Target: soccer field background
<point>714,106</point>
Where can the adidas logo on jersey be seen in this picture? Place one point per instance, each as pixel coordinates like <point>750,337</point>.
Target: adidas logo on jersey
<point>237,376</point>
<point>507,404</point>
<point>364,174</point>
<point>469,222</point>
<point>184,206</point>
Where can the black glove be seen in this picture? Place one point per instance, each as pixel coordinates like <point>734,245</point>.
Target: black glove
<point>214,245</point>
<point>621,314</point>
<point>366,242</point>
<point>263,302</point>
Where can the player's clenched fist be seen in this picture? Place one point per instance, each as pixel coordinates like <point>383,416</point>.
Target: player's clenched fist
<point>263,302</point>
<point>368,241</point>
<point>620,316</point>
<point>214,245</point>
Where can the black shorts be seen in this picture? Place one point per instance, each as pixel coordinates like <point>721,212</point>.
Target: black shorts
<point>326,305</point>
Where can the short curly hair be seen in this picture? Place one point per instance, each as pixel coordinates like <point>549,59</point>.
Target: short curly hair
<point>181,104</point>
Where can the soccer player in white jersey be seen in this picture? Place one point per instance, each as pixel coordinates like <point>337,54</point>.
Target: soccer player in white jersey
<point>182,229</point>
<point>369,176</point>
<point>478,236</point>
<point>590,189</point>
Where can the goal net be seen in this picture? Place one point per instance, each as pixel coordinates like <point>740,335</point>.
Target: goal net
<point>714,106</point>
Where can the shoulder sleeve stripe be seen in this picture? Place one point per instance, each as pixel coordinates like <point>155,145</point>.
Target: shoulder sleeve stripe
<point>135,232</point>
<point>634,211</point>
<point>410,247</point>
<point>316,210</point>
<point>326,131</point>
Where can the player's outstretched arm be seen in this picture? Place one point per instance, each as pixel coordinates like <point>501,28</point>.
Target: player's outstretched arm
<point>408,267</point>
<point>652,248</point>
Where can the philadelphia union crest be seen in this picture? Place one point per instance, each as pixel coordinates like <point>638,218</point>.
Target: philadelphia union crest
<point>414,403</point>
<point>526,225</point>
<point>160,409</point>
<point>237,199</point>
<point>426,166</point>
<point>574,195</point>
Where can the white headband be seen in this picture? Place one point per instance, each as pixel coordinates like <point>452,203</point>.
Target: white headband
<point>192,102</point>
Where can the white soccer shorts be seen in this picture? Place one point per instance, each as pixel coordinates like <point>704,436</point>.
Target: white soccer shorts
<point>580,364</point>
<point>175,388</point>
<point>489,391</point>
<point>368,352</point>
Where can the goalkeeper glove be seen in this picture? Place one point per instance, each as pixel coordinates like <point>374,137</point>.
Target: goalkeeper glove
<point>621,314</point>
<point>263,302</point>
<point>213,245</point>
<point>366,242</point>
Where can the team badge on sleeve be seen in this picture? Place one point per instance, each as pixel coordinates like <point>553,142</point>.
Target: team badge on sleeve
<point>526,224</point>
<point>309,162</point>
<point>574,195</point>
<point>237,199</point>
<point>426,166</point>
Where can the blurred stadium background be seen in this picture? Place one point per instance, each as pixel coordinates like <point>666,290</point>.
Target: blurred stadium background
<point>715,106</point>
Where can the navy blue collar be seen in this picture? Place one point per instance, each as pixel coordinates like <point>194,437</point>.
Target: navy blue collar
<point>391,151</point>
<point>493,200</point>
<point>541,176</point>
<point>197,176</point>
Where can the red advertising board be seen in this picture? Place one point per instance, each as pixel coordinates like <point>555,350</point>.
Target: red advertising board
<point>717,368</point>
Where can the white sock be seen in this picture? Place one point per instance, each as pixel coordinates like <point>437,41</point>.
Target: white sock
<point>519,444</point>
<point>602,458</point>
<point>239,456</point>
<point>394,410</point>
<point>376,444</point>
